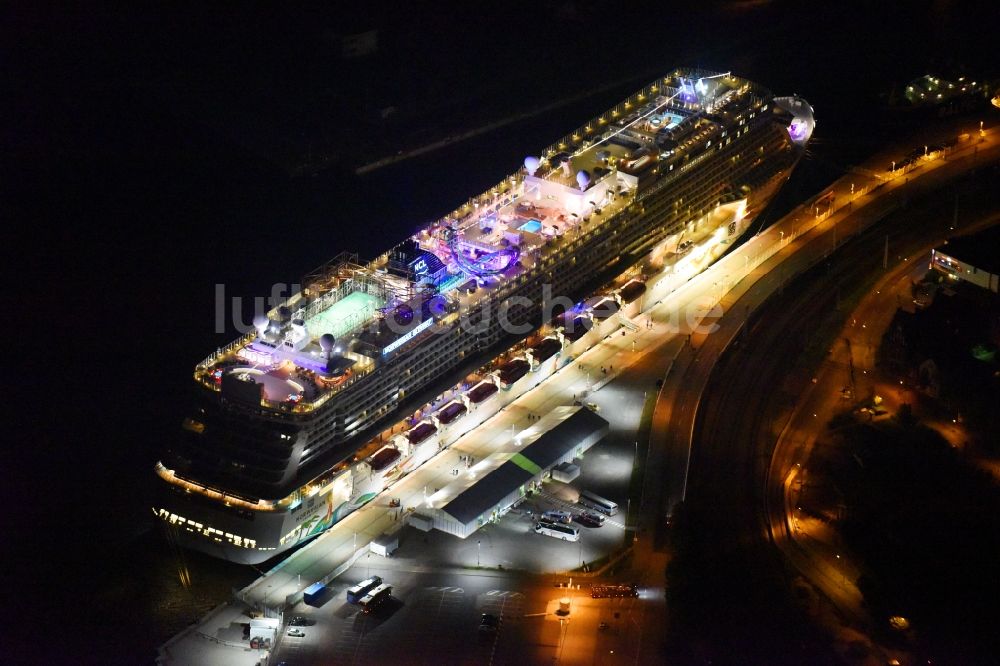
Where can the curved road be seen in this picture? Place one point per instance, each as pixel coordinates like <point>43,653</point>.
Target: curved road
<point>727,412</point>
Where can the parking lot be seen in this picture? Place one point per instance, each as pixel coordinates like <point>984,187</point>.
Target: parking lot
<point>442,584</point>
<point>434,618</point>
<point>510,543</point>
<point>424,622</point>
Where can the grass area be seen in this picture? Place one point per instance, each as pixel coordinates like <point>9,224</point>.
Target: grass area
<point>924,521</point>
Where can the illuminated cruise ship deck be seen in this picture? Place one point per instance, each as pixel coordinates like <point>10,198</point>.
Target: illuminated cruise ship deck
<point>285,432</point>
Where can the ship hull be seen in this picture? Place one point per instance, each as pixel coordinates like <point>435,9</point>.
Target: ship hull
<point>272,534</point>
<point>251,478</point>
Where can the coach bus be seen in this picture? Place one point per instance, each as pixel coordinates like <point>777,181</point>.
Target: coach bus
<point>605,506</point>
<point>358,592</point>
<point>375,598</point>
<point>557,530</point>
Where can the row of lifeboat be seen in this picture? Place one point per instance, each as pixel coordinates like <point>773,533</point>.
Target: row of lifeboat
<point>574,326</point>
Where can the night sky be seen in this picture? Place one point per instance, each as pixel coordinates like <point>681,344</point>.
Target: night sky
<point>151,154</point>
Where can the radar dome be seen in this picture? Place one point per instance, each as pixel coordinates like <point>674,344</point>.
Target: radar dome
<point>531,164</point>
<point>260,322</point>
<point>326,341</point>
<point>582,179</point>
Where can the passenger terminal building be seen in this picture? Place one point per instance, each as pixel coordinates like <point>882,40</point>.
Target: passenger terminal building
<point>493,486</point>
<point>974,259</point>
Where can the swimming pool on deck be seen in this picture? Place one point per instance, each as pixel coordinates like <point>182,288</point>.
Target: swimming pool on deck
<point>531,226</point>
<point>665,120</point>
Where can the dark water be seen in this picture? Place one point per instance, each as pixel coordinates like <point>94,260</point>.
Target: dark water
<point>133,209</point>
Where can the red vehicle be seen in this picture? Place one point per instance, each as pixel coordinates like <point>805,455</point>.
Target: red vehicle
<point>604,591</point>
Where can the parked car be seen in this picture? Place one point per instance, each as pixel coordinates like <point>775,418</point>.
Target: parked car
<point>587,520</point>
<point>558,516</point>
<point>489,623</point>
<point>298,621</point>
<point>296,632</point>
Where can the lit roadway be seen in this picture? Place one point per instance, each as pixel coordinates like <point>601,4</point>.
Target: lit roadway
<point>803,540</point>
<point>676,301</point>
<point>860,199</point>
<point>721,414</point>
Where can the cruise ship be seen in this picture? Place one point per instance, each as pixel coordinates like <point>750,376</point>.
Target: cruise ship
<point>373,368</point>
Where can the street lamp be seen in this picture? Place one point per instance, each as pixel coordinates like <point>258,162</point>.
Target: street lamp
<point>479,550</point>
<point>563,622</point>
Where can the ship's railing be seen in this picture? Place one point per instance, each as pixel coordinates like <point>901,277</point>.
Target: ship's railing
<point>282,504</point>
<point>203,376</point>
<point>587,133</point>
<point>306,406</point>
<point>221,352</point>
<point>169,476</point>
<point>590,130</point>
<point>303,407</point>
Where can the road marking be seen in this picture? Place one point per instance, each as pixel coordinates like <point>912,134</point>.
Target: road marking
<point>577,507</point>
